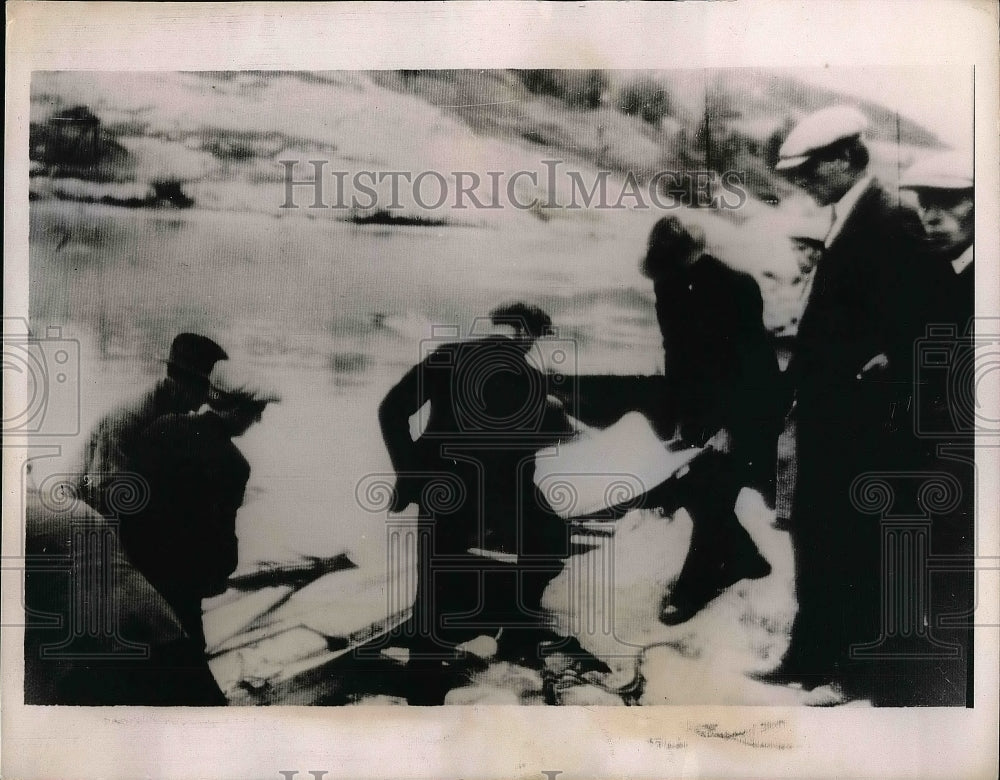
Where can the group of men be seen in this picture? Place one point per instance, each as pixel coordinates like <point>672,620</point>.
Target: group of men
<point>163,480</point>
<point>861,404</point>
<point>882,615</point>
<point>854,396</point>
<point>890,275</point>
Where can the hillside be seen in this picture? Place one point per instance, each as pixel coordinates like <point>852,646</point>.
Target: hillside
<point>218,127</point>
<point>643,122</point>
<point>221,142</point>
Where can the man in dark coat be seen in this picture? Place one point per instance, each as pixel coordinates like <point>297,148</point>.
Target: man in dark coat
<point>471,473</point>
<point>722,375</point>
<point>930,366</point>
<point>941,283</point>
<point>109,448</point>
<point>184,540</point>
<point>842,411</point>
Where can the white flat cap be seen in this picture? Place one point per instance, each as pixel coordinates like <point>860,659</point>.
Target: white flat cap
<point>819,130</point>
<point>949,170</point>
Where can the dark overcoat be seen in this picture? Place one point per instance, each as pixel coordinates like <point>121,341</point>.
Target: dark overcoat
<point>184,540</point>
<point>844,430</point>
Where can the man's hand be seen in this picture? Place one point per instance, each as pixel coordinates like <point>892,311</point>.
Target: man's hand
<point>876,365</point>
<point>405,492</point>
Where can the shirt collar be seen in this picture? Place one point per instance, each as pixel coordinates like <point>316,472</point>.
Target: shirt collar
<point>963,261</point>
<point>843,208</point>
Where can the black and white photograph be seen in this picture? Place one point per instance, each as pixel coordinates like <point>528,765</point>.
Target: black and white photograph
<point>455,387</point>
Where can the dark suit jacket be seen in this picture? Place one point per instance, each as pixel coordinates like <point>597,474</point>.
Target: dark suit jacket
<point>850,317</point>
<point>721,370</point>
<point>934,296</point>
<point>933,355</point>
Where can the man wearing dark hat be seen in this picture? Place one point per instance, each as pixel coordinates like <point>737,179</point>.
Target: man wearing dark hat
<point>722,375</point>
<point>471,474</point>
<point>841,412</point>
<point>184,539</point>
<point>108,451</point>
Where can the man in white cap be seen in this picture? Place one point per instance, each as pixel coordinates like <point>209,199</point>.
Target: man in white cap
<point>938,287</point>
<point>825,156</point>
<point>839,417</point>
<point>936,408</point>
<point>943,186</point>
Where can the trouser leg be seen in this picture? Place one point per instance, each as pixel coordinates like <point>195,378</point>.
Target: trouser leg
<point>812,650</point>
<point>721,551</point>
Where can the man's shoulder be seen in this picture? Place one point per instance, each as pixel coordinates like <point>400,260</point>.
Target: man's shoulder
<point>444,354</point>
<point>128,413</point>
<point>879,222</point>
<point>883,204</point>
<point>166,436</point>
<point>173,421</point>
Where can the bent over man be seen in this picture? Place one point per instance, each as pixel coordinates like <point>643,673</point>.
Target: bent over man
<point>722,375</point>
<point>489,414</point>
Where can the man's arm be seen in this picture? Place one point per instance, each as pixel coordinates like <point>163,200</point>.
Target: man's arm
<point>394,413</point>
<point>901,275</point>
